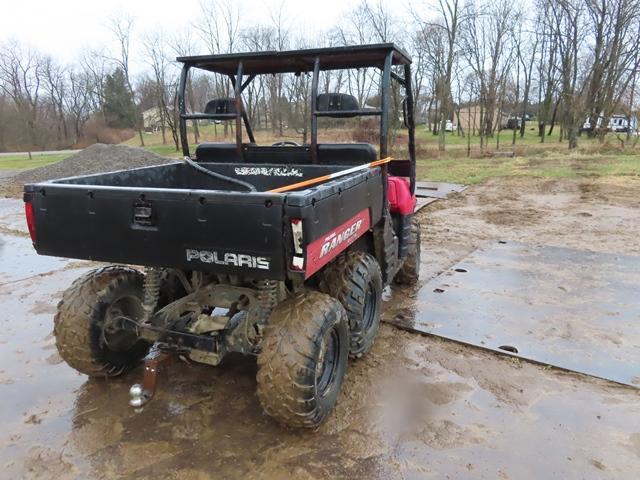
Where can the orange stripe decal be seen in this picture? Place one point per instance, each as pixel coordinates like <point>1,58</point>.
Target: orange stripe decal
<point>324,178</point>
<point>304,183</point>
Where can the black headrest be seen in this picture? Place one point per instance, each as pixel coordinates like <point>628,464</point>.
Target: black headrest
<point>220,106</point>
<point>337,102</point>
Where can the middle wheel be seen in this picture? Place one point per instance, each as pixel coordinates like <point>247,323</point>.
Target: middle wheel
<point>355,280</point>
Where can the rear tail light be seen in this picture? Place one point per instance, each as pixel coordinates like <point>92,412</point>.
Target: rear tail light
<point>296,233</point>
<point>297,263</point>
<point>31,221</point>
<point>296,230</point>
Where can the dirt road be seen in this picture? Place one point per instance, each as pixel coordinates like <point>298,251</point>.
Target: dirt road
<point>415,407</point>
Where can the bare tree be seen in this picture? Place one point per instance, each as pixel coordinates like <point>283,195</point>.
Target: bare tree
<point>580,56</point>
<point>55,86</point>
<point>567,29</point>
<point>21,81</point>
<point>546,66</point>
<point>219,29</point>
<point>95,67</point>
<point>486,46</point>
<point>183,44</point>
<point>164,89</point>
<point>281,28</point>
<point>122,27</point>
<point>380,21</point>
<point>526,51</point>
<point>77,100</point>
<point>450,15</point>
<point>431,41</point>
<point>615,28</point>
<point>257,38</point>
<point>419,76</point>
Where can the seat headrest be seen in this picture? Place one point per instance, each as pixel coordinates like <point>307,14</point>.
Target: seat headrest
<point>220,106</point>
<point>337,102</point>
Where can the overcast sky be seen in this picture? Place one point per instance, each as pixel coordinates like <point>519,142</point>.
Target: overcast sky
<point>62,27</point>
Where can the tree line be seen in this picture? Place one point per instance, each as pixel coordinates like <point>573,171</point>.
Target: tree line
<point>475,64</point>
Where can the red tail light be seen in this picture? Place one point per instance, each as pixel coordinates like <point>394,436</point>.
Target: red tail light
<point>31,221</point>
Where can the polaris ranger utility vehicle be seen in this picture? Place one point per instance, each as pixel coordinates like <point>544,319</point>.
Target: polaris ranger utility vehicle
<point>235,258</point>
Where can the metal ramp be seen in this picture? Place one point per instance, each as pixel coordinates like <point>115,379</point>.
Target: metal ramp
<point>573,309</point>
<point>429,192</point>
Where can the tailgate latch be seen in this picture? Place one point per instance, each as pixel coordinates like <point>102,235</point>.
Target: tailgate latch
<point>143,215</point>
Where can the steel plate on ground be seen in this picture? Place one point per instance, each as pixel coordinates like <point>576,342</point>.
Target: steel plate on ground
<point>437,189</point>
<point>422,202</point>
<point>577,310</point>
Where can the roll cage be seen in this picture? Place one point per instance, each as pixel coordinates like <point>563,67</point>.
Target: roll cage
<point>242,69</point>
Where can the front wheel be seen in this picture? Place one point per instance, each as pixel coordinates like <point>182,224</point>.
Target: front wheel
<point>88,326</point>
<point>355,280</point>
<point>303,359</point>
<point>409,273</point>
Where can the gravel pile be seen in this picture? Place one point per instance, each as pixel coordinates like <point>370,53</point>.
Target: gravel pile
<point>97,158</point>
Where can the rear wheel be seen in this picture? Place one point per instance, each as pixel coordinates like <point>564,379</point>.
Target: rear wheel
<point>88,326</point>
<point>303,359</point>
<point>355,280</point>
<point>409,273</point>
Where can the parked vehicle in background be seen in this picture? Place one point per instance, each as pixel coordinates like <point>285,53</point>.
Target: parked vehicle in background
<point>617,123</point>
<point>512,123</point>
<point>450,126</point>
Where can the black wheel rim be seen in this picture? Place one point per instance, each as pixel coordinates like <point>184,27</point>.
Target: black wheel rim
<point>115,336</point>
<point>328,360</point>
<point>369,313</point>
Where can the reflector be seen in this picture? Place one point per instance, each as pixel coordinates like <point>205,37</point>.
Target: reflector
<point>31,224</point>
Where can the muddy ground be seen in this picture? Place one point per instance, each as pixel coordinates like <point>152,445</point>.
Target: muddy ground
<point>415,407</point>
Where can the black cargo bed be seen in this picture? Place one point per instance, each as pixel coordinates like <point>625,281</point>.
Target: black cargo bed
<point>180,176</point>
<point>153,215</point>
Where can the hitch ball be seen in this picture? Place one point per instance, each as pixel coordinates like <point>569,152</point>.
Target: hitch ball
<point>138,396</point>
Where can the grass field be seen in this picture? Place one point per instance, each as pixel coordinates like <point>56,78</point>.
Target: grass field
<point>22,162</point>
<point>476,170</point>
<point>506,137</point>
<point>531,158</point>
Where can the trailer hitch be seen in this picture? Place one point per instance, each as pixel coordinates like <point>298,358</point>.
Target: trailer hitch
<point>141,394</point>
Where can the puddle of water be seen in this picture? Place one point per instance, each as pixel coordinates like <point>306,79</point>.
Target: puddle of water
<point>26,321</point>
<point>35,387</point>
<point>12,215</point>
<point>18,260</point>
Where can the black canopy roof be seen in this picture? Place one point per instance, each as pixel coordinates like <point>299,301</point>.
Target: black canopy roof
<point>293,61</point>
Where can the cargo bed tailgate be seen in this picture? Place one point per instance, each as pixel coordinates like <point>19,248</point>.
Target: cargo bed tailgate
<point>225,232</point>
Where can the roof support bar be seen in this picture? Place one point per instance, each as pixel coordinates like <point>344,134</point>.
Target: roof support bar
<point>247,126</point>
<point>183,109</point>
<point>245,117</point>
<point>208,116</point>
<point>411,126</point>
<point>238,94</point>
<point>384,103</point>
<point>398,79</point>
<point>384,120</point>
<point>348,113</point>
<point>247,82</point>
<point>314,116</point>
